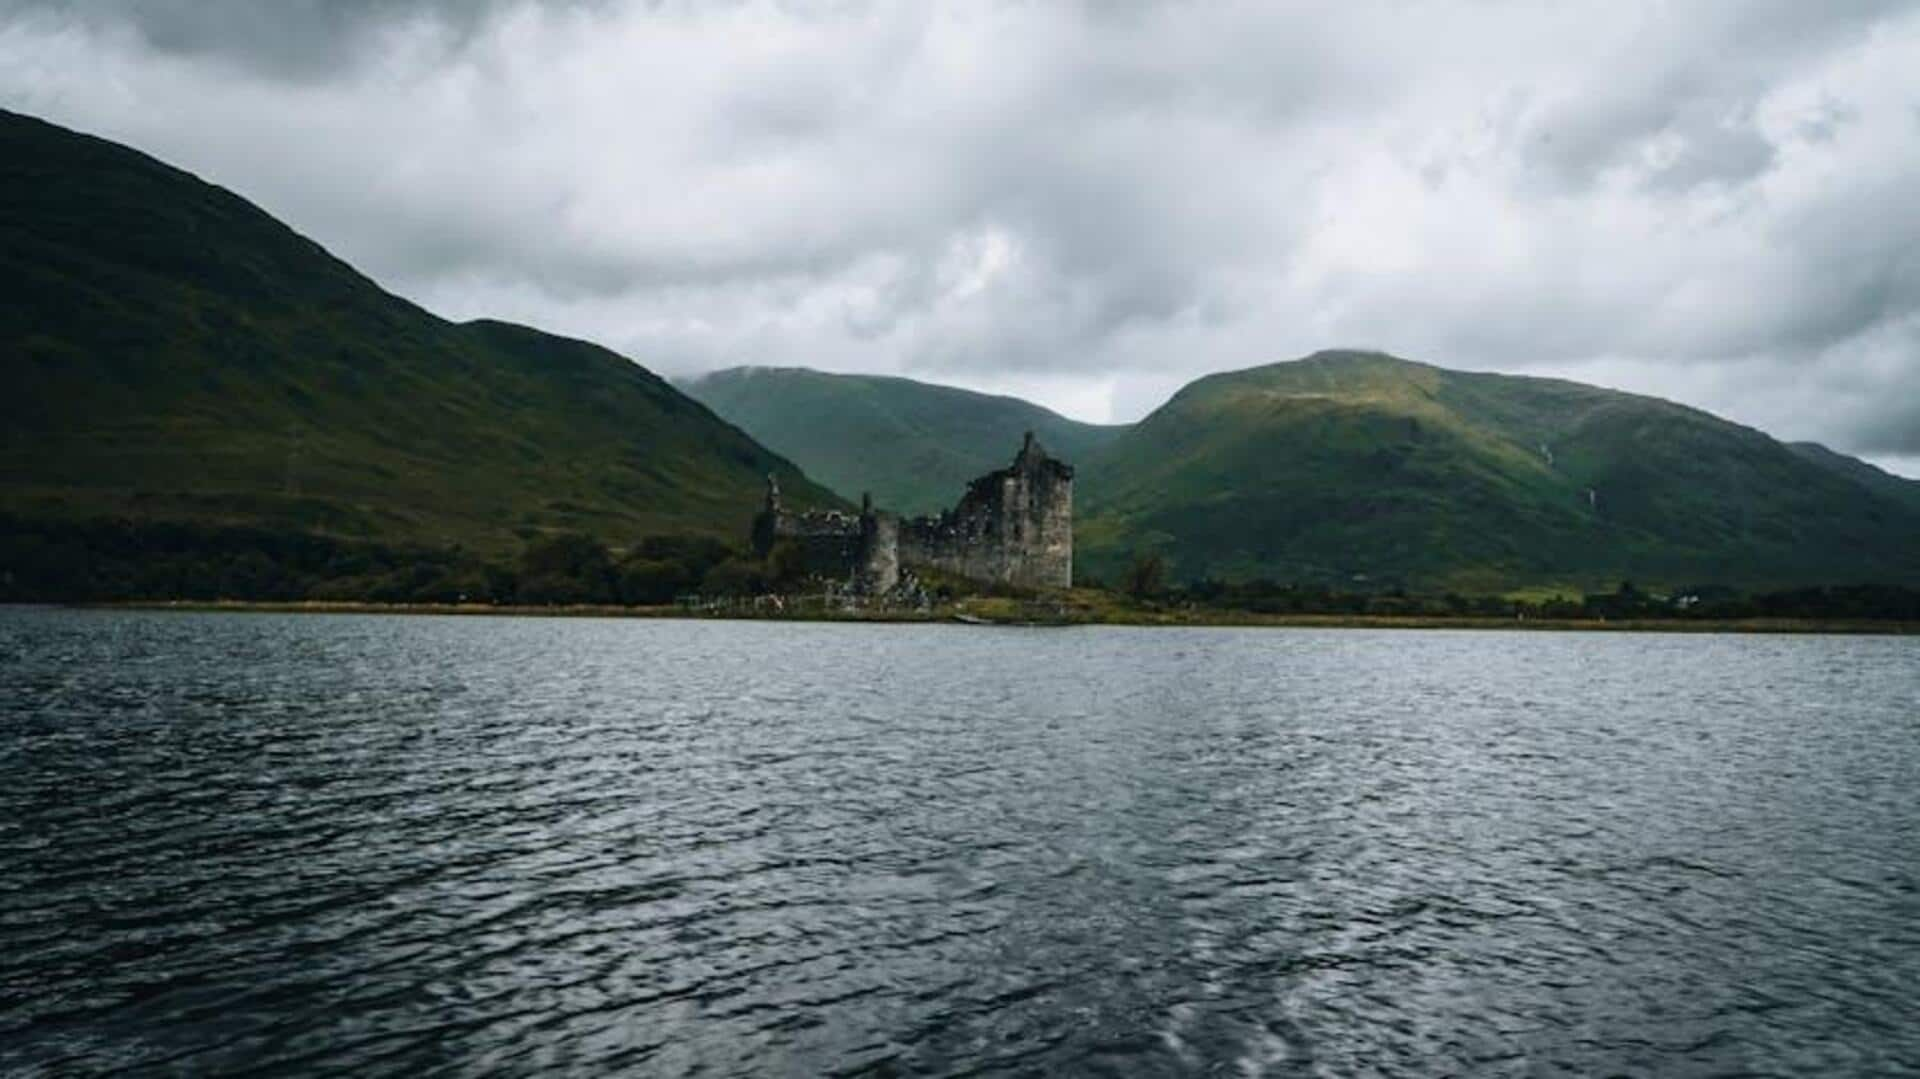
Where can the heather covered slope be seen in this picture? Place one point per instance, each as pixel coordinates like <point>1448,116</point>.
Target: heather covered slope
<point>1349,466</point>
<point>913,445</point>
<point>170,351</point>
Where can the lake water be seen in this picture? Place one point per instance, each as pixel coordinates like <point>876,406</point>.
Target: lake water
<point>382,844</point>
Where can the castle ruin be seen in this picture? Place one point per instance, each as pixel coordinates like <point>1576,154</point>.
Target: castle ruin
<point>1012,526</point>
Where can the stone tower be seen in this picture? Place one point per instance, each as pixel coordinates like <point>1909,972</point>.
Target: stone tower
<point>1013,525</point>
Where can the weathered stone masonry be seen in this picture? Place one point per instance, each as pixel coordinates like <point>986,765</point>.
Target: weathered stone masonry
<point>1013,526</point>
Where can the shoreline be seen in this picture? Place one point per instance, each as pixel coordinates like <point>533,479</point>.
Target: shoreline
<point>959,615</point>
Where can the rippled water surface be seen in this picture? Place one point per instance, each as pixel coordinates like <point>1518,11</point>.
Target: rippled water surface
<point>284,843</point>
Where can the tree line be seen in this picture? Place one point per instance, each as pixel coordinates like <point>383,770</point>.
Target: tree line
<point>104,560</point>
<point>57,561</point>
<point>1854,602</point>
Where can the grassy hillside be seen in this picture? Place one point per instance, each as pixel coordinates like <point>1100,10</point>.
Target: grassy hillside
<point>171,352</point>
<point>912,444</point>
<point>1875,479</point>
<point>1352,466</point>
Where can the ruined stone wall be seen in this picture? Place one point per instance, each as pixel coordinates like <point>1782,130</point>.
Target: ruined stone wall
<point>861,551</point>
<point>1014,526</point>
<point>879,568</point>
<point>831,544</point>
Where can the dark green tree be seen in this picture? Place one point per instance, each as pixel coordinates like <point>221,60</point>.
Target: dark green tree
<point>735,577</point>
<point>786,565</point>
<point>1147,577</point>
<point>652,582</point>
<point>567,568</point>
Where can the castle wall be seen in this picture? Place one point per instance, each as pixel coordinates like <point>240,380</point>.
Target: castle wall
<point>862,551</point>
<point>1013,526</point>
<point>831,543</point>
<point>879,568</point>
<point>829,553</point>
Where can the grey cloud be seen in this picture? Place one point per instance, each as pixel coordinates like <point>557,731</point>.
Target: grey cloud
<point>303,39</point>
<point>1691,74</point>
<point>1670,140</point>
<point>1896,433</point>
<point>1726,151</point>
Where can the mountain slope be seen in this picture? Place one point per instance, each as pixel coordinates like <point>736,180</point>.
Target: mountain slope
<point>1346,466</point>
<point>169,351</point>
<point>1874,479</point>
<point>911,444</point>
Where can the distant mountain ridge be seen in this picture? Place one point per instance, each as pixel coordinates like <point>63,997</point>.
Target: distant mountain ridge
<point>1362,469</point>
<point>173,352</point>
<point>913,445</point>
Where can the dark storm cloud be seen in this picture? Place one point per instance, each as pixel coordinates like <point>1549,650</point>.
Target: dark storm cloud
<point>1087,202</point>
<point>282,38</point>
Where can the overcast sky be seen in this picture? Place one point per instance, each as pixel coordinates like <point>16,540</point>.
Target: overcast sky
<point>1084,204</point>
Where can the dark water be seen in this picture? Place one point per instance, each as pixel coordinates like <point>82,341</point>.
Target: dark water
<point>256,842</point>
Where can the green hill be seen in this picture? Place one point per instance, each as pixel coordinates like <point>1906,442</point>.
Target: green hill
<point>912,445</point>
<point>1348,466</point>
<point>171,352</point>
<point>1874,479</point>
